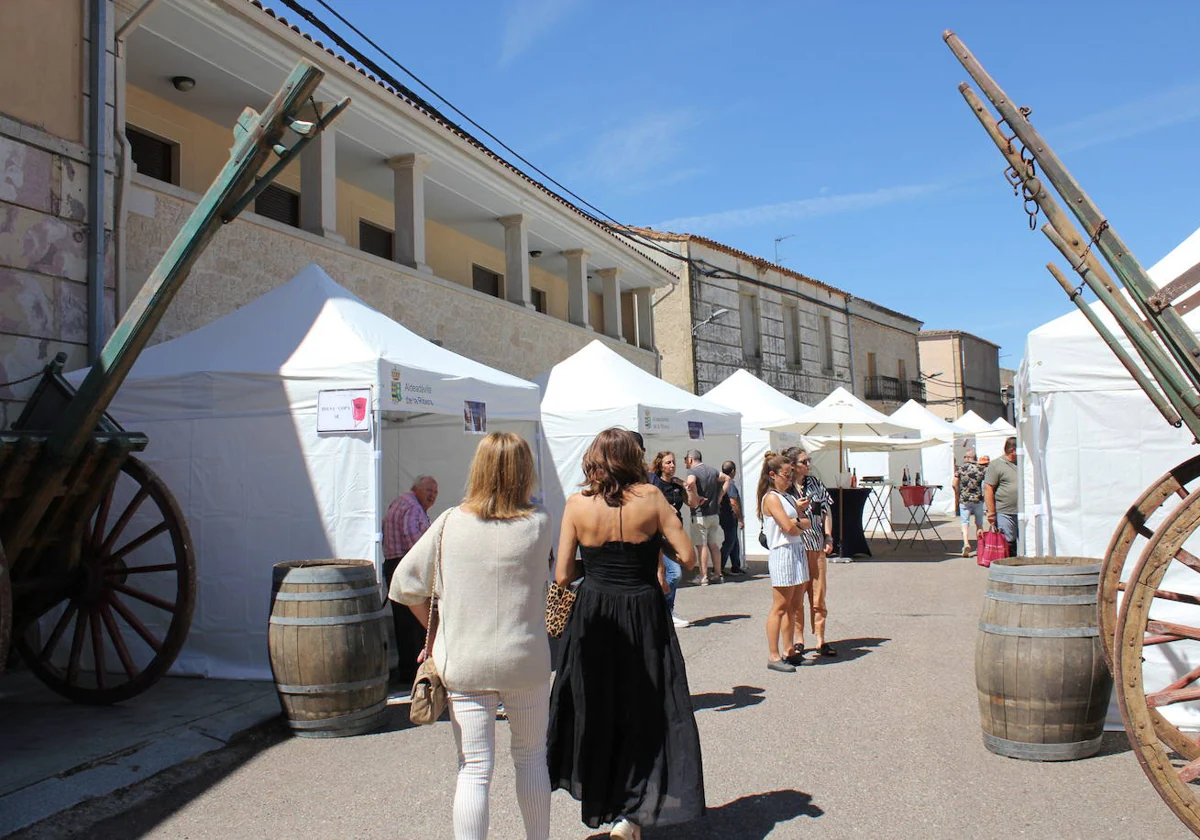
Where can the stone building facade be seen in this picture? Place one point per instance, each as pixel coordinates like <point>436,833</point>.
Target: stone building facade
<point>887,370</point>
<point>961,372</point>
<point>732,310</point>
<point>398,204</point>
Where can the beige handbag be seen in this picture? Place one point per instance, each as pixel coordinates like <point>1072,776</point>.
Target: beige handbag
<point>428,698</point>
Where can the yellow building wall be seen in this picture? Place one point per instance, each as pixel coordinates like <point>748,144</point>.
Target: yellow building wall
<point>41,44</point>
<point>204,149</point>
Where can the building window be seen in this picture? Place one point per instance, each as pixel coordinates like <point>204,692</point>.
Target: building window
<point>751,337</point>
<point>791,335</point>
<point>376,240</point>
<point>539,298</point>
<point>154,157</point>
<point>825,328</point>
<point>486,281</point>
<point>279,203</point>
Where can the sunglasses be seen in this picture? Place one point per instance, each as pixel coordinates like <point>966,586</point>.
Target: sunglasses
<point>805,462</point>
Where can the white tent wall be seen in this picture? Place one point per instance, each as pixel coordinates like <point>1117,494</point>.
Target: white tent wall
<point>436,445</point>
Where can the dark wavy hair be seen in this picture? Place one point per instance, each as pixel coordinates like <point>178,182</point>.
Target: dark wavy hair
<point>611,465</point>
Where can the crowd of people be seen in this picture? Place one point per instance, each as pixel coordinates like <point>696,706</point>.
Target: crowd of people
<point>611,723</point>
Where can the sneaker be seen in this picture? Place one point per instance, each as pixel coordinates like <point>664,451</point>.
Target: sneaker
<point>719,579</point>
<point>966,551</point>
<point>781,666</point>
<point>704,580</point>
<point>680,623</point>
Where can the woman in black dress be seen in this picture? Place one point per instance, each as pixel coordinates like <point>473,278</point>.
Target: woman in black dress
<point>623,739</point>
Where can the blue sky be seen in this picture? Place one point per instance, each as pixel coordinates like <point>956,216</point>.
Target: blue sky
<point>837,125</point>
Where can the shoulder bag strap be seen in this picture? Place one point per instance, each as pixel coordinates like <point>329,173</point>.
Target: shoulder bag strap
<point>437,573</point>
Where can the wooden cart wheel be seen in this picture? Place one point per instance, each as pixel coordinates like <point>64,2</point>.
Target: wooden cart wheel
<point>1173,485</point>
<point>1173,772</point>
<point>130,603</point>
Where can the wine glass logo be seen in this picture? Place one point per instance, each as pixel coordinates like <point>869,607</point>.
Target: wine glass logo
<point>360,409</point>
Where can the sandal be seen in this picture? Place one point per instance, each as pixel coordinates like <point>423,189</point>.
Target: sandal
<point>827,650</point>
<point>704,580</point>
<point>795,656</point>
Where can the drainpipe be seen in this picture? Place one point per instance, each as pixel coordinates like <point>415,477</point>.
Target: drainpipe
<point>97,152</point>
<point>850,341</point>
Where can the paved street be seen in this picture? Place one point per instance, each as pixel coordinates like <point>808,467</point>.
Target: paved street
<point>882,742</point>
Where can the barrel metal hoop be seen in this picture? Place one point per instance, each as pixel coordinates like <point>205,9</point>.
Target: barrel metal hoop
<point>1092,581</point>
<point>328,574</point>
<point>331,687</point>
<point>1047,632</point>
<point>1048,569</point>
<point>1042,752</point>
<point>327,595</point>
<point>1019,598</point>
<point>328,619</point>
<point>339,720</point>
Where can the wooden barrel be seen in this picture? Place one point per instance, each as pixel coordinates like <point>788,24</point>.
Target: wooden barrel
<point>328,644</point>
<point>1039,665</point>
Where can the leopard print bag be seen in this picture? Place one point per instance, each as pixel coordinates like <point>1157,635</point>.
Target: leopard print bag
<point>559,601</point>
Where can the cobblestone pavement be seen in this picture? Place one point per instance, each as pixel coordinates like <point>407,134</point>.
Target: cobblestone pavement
<point>881,742</point>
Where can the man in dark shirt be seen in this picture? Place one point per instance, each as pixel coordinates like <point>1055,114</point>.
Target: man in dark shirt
<point>706,488</point>
<point>1000,494</point>
<point>731,519</point>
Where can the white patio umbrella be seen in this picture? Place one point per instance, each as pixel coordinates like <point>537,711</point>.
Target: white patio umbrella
<point>839,415</point>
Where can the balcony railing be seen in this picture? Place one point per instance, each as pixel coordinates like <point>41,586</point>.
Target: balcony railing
<point>885,388</point>
<point>916,390</point>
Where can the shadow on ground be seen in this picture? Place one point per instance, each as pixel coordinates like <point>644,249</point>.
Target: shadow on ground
<point>751,817</point>
<point>739,697</point>
<point>719,619</point>
<point>848,650</point>
<point>1113,743</point>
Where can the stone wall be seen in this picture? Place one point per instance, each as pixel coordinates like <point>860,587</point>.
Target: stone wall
<point>253,255</point>
<point>892,338</point>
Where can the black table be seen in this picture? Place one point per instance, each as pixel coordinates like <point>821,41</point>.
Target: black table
<point>848,505</point>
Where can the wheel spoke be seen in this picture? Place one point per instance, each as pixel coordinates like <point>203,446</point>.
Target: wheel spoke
<point>117,571</point>
<point>1188,559</point>
<point>127,515</point>
<point>114,633</point>
<point>140,541</point>
<point>57,633</point>
<point>1190,771</point>
<point>133,621</point>
<point>1181,597</point>
<point>1167,698</point>
<point>1145,532</point>
<point>98,651</point>
<point>1184,681</point>
<point>76,648</point>
<point>102,513</point>
<point>155,601</point>
<point>1150,641</point>
<point>1183,631</point>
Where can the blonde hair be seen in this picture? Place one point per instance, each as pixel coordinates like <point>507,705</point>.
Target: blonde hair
<point>501,478</point>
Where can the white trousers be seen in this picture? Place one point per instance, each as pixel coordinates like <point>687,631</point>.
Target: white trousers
<point>473,715</point>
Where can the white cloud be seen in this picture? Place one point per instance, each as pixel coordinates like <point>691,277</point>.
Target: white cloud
<point>632,150</point>
<point>1170,107</point>
<point>529,20</point>
<point>805,208</point>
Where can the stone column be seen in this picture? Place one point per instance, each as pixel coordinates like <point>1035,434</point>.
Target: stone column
<point>643,300</point>
<point>612,301</point>
<point>516,260</point>
<point>577,288</point>
<point>318,186</point>
<point>409,201</point>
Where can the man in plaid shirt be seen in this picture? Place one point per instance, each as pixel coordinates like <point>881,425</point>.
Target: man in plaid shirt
<point>407,518</point>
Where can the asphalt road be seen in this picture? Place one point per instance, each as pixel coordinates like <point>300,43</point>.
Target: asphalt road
<point>881,742</point>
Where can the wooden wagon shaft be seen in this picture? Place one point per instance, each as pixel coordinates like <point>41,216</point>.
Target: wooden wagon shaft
<point>256,138</point>
<point>1127,361</point>
<point>1179,339</point>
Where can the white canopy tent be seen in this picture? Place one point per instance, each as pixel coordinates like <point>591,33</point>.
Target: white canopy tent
<point>596,389</point>
<point>842,423</point>
<point>761,406</point>
<point>1090,443</point>
<point>981,437</point>
<point>937,462</point>
<point>232,409</point>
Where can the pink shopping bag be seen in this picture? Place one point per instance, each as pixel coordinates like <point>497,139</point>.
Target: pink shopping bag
<point>992,546</point>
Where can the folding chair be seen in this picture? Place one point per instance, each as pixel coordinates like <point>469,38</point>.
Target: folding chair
<point>917,499</point>
<point>879,508</point>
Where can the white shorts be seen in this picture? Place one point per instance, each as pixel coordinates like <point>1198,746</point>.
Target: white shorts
<point>788,565</point>
<point>707,530</point>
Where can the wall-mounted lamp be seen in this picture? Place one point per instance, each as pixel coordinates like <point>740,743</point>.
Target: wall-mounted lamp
<point>535,253</point>
<point>716,313</point>
<point>183,83</point>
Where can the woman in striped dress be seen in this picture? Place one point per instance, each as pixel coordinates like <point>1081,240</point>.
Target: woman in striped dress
<point>784,523</point>
<point>818,542</point>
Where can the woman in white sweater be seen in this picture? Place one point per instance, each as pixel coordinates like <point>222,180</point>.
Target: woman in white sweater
<point>489,634</point>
